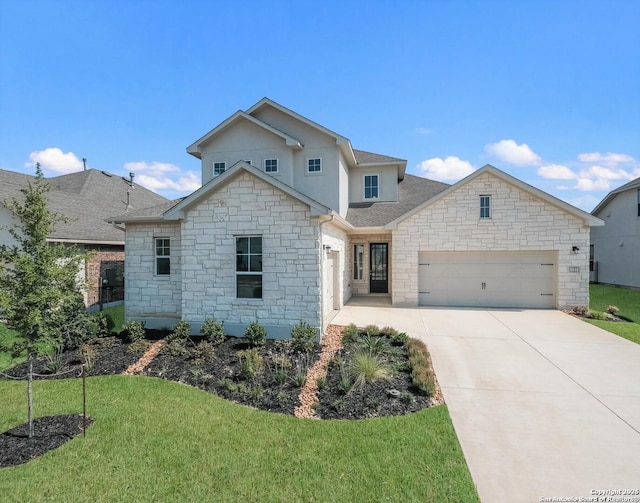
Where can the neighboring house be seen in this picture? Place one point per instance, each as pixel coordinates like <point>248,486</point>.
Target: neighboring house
<point>85,198</point>
<point>615,248</point>
<point>291,221</point>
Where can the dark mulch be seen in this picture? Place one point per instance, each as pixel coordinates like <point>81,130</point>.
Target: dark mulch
<point>219,371</point>
<point>50,432</point>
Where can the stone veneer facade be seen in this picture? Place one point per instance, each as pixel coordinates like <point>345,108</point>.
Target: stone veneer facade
<point>519,221</point>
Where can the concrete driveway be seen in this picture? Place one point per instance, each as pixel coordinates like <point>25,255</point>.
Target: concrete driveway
<point>544,405</point>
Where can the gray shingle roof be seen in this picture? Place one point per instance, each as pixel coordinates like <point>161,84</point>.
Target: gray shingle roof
<point>86,198</point>
<point>412,192</point>
<point>363,157</point>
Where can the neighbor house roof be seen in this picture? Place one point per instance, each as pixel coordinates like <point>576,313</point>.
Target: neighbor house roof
<point>633,184</point>
<point>412,191</point>
<point>86,199</point>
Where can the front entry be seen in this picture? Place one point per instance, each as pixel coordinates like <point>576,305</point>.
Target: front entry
<point>379,268</point>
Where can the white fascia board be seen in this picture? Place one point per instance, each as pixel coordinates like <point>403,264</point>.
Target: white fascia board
<point>85,241</point>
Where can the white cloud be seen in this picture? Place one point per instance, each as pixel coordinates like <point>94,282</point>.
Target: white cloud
<point>598,172</point>
<point>186,183</point>
<point>556,172</point>
<point>56,160</point>
<point>509,151</point>
<point>450,169</point>
<point>154,167</point>
<point>587,185</point>
<point>422,131</point>
<point>609,159</point>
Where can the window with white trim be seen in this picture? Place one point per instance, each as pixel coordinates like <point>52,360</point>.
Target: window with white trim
<point>371,186</point>
<point>485,206</point>
<point>271,165</point>
<point>314,165</point>
<point>249,267</point>
<point>358,261</point>
<point>163,256</point>
<point>219,167</point>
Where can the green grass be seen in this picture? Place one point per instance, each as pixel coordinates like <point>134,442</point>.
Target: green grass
<point>627,300</point>
<point>8,337</point>
<point>117,315</point>
<point>155,440</point>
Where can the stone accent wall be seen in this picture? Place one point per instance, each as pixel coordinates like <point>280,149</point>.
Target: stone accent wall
<point>156,299</point>
<point>247,206</point>
<point>104,257</point>
<point>519,221</point>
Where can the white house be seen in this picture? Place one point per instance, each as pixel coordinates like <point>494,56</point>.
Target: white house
<point>291,221</point>
<point>615,248</point>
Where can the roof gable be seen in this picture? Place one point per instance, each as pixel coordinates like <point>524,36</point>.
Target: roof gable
<point>488,168</point>
<point>195,148</point>
<point>177,212</point>
<point>633,184</point>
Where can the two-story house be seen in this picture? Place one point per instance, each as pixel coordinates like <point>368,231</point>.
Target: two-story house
<point>291,221</point>
<point>615,248</point>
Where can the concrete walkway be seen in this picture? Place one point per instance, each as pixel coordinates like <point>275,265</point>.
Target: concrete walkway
<point>544,405</point>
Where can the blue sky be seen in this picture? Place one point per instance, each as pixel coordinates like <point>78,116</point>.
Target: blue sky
<point>548,91</point>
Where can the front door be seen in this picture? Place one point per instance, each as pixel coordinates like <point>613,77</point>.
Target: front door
<point>378,268</point>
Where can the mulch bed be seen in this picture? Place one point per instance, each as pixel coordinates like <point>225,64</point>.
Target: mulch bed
<point>219,371</point>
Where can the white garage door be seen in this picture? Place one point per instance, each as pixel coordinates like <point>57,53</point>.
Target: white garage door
<point>487,279</point>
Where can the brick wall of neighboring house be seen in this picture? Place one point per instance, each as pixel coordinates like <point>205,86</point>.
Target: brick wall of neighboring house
<point>104,257</point>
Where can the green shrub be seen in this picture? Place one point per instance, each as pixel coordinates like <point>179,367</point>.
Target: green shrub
<point>134,331</point>
<point>180,333</point>
<point>53,363</point>
<point>613,310</point>
<point>596,315</point>
<point>399,339</point>
<point>372,330</point>
<point>175,349</point>
<point>300,378</point>
<point>87,355</point>
<point>366,368</point>
<point>105,324</point>
<point>251,363</point>
<point>374,345</point>
<point>138,347</point>
<point>213,331</point>
<point>351,334</point>
<point>388,331</point>
<point>203,352</point>
<point>422,375</point>
<point>256,334</point>
<point>321,382</point>
<point>303,337</point>
<point>407,397</point>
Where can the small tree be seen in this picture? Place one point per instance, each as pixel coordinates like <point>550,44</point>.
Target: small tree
<point>40,295</point>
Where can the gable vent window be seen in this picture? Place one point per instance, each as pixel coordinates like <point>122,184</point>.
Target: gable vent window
<point>485,206</point>
<point>371,186</point>
<point>271,165</point>
<point>163,256</point>
<point>314,165</point>
<point>219,168</point>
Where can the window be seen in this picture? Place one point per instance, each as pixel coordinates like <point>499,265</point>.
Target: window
<point>314,165</point>
<point>271,165</point>
<point>219,168</point>
<point>485,206</point>
<point>639,202</point>
<point>371,186</point>
<point>358,261</point>
<point>163,256</point>
<point>249,267</point>
<point>591,257</point>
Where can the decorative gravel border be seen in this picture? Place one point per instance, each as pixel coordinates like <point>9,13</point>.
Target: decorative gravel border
<point>139,366</point>
<point>332,343</point>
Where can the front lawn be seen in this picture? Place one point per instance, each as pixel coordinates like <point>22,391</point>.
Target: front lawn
<point>156,440</point>
<point>625,299</point>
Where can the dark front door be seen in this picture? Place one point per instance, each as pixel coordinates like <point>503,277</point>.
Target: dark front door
<point>378,268</point>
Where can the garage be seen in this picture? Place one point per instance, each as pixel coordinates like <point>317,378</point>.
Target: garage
<point>524,279</point>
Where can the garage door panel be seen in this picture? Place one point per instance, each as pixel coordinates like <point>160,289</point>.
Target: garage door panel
<point>487,279</point>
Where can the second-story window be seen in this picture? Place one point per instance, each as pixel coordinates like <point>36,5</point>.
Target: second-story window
<point>271,165</point>
<point>371,186</point>
<point>219,168</point>
<point>314,165</point>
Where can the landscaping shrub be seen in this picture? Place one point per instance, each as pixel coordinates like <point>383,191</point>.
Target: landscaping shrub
<point>613,310</point>
<point>580,310</point>
<point>175,349</point>
<point>134,331</point>
<point>180,333</point>
<point>421,373</point>
<point>367,367</point>
<point>372,330</point>
<point>388,331</point>
<point>303,337</point>
<point>595,315</point>
<point>213,331</point>
<point>138,347</point>
<point>105,324</point>
<point>351,334</point>
<point>77,329</point>
<point>54,359</point>
<point>251,363</point>
<point>203,352</point>
<point>373,344</point>
<point>87,354</point>
<point>399,339</point>
<point>256,334</point>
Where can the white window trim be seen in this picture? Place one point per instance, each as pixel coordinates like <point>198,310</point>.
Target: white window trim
<point>156,256</point>
<point>490,208</point>
<point>364,189</point>
<point>306,166</point>
<point>247,273</point>
<point>213,167</point>
<point>277,170</point>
